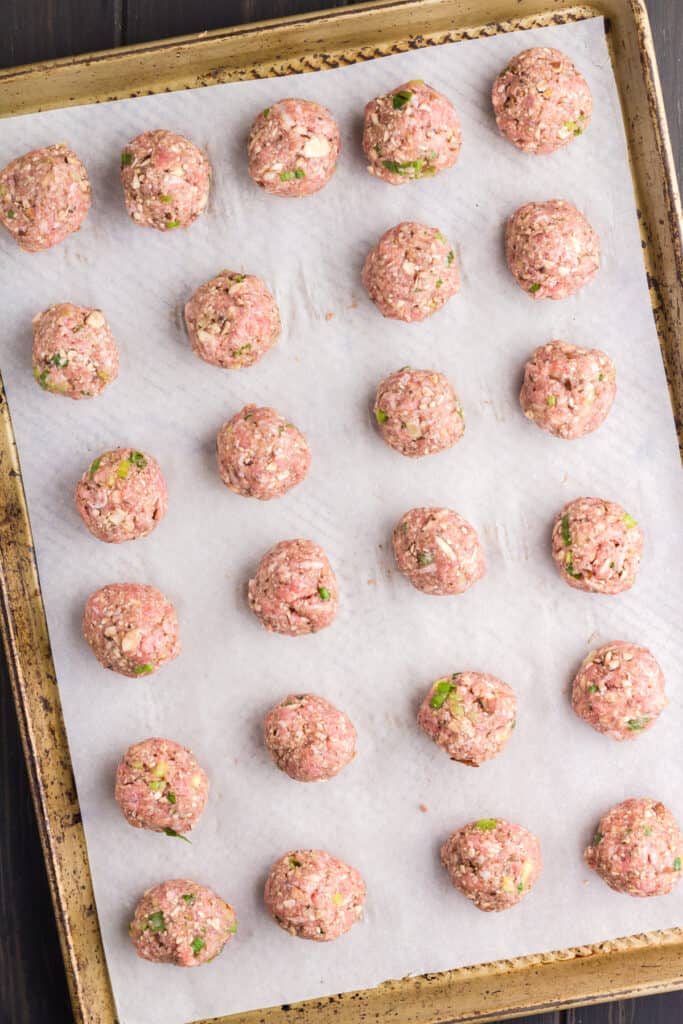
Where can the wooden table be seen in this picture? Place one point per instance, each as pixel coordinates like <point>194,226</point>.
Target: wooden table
<point>32,986</point>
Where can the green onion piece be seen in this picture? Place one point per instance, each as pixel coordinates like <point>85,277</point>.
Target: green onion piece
<point>286,175</point>
<point>486,824</point>
<point>123,469</point>
<point>11,215</point>
<point>138,459</point>
<point>569,569</point>
<point>677,864</point>
<point>126,159</point>
<point>439,283</point>
<point>233,927</point>
<point>237,278</point>
<point>450,257</point>
<point>381,416</point>
<point>440,693</point>
<point>156,921</point>
<point>551,401</point>
<point>299,173</point>
<point>636,724</point>
<point>170,797</point>
<point>601,376</point>
<point>325,595</point>
<point>266,112</point>
<point>520,887</point>
<point>58,362</point>
<point>401,98</point>
<point>534,287</point>
<point>42,379</point>
<point>171,224</point>
<point>156,784</point>
<point>597,838</point>
<point>197,945</point>
<point>566,533</point>
<point>164,198</point>
<point>94,466</point>
<point>425,558</point>
<point>294,863</point>
<point>189,898</point>
<point>629,521</point>
<point>143,670</point>
<point>175,835</point>
<point>592,688</point>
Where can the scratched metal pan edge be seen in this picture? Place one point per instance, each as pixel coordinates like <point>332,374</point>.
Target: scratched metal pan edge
<point>617,968</point>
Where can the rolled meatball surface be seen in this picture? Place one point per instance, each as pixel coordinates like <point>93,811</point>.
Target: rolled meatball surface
<point>619,690</point>
<point>438,551</point>
<point>493,862</point>
<point>418,412</point>
<point>293,148</point>
<point>161,787</point>
<point>541,101</point>
<point>294,590</point>
<point>232,320</point>
<point>261,454</point>
<point>74,352</point>
<point>313,895</point>
<point>597,546</point>
<point>309,738</point>
<point>181,922</point>
<point>637,848</point>
<point>568,390</point>
<point>551,249</point>
<point>411,273</point>
<point>470,715</point>
<point>165,180</point>
<point>411,132</point>
<point>44,197</point>
<point>122,495</point>
<point>131,628</point>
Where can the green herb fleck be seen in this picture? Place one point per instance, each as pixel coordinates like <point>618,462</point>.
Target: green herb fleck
<point>636,724</point>
<point>266,112</point>
<point>450,257</point>
<point>170,797</point>
<point>59,361</point>
<point>592,688</point>
<point>126,159</point>
<point>601,376</point>
<point>197,945</point>
<point>294,863</point>
<point>677,864</point>
<point>534,288</point>
<point>143,670</point>
<point>381,416</point>
<point>486,824</point>
<point>11,214</point>
<point>551,401</point>
<point>324,593</point>
<point>233,927</point>
<point>42,379</point>
<point>176,835</point>
<point>520,887</point>
<point>164,198</point>
<point>439,283</point>
<point>189,898</point>
<point>425,558</point>
<point>299,173</point>
<point>612,565</point>
<point>156,921</point>
<point>629,521</point>
<point>401,98</point>
<point>441,693</point>
<point>566,533</point>
<point>597,838</point>
<point>138,459</point>
<point>94,466</point>
<point>171,224</point>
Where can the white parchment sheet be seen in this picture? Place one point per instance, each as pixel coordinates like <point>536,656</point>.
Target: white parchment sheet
<point>389,642</point>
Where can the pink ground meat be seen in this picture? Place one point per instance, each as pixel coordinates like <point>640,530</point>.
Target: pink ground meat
<point>493,862</point>
<point>438,551</point>
<point>232,320</point>
<point>309,738</point>
<point>74,352</point>
<point>160,786</point>
<point>568,390</point>
<point>418,412</point>
<point>470,715</point>
<point>44,197</point>
<point>165,180</point>
<point>541,101</point>
<point>180,922</point>
<point>411,273</point>
<point>313,895</point>
<point>293,148</point>
<point>261,454</point>
<point>294,591</point>
<point>620,690</point>
<point>122,495</point>
<point>132,628</point>
<point>637,848</point>
<point>411,132</point>
<point>597,546</point>
<point>551,249</point>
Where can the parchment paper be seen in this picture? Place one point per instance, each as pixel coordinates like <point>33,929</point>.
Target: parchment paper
<point>389,642</point>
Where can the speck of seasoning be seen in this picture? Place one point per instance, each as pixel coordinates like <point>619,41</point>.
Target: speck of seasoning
<point>424,808</point>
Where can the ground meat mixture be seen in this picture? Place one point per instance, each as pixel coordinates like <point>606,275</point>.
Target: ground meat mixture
<point>411,273</point>
<point>122,495</point>
<point>541,101</point>
<point>411,132</point>
<point>597,546</point>
<point>620,690</point>
<point>438,551</point>
<point>293,148</point>
<point>44,197</point>
<point>309,738</point>
<point>261,454</point>
<point>568,390</point>
<point>418,412</point>
<point>180,922</point>
<point>232,320</point>
<point>165,180</point>
<point>74,352</point>
<point>637,848</point>
<point>493,862</point>
<point>313,895</point>
<point>160,786</point>
<point>470,715</point>
<point>294,590</point>
<point>132,628</point>
<point>551,249</point>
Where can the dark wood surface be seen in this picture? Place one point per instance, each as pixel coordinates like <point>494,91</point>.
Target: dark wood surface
<point>32,986</point>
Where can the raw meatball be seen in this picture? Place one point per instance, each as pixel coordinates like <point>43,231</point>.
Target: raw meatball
<point>180,922</point>
<point>165,180</point>
<point>122,495</point>
<point>411,273</point>
<point>619,690</point>
<point>44,197</point>
<point>438,551</point>
<point>160,786</point>
<point>313,895</point>
<point>261,454</point>
<point>541,101</point>
<point>568,390</point>
<point>293,148</point>
<point>132,628</point>
<point>470,715</point>
<point>309,738</point>
<point>551,249</point>
<point>294,590</point>
<point>493,862</point>
<point>232,320</point>
<point>74,352</point>
<point>411,132</point>
<point>418,412</point>
<point>597,546</point>
<point>637,849</point>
